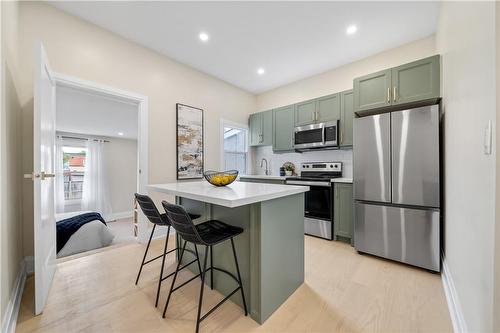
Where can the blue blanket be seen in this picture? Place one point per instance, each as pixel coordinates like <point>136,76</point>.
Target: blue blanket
<point>67,227</point>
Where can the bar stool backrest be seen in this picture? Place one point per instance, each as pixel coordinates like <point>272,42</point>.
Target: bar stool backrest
<point>149,209</point>
<point>182,223</point>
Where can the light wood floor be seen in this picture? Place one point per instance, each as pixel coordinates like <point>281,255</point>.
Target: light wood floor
<point>343,292</point>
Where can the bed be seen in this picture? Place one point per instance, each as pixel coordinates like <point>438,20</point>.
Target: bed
<point>90,234</point>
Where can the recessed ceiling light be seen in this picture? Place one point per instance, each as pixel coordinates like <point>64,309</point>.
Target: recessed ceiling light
<point>203,36</point>
<point>351,29</point>
<point>261,71</point>
<point>120,133</point>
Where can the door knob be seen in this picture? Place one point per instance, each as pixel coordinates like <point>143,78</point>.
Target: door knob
<point>44,175</point>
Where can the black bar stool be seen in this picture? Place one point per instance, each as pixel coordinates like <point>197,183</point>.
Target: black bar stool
<point>149,209</point>
<point>208,233</point>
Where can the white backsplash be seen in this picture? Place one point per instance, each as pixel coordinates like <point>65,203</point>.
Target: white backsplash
<point>276,160</point>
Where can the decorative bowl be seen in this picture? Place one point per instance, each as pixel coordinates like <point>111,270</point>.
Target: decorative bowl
<point>220,178</point>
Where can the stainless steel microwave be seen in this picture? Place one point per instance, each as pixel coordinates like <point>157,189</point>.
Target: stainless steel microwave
<point>317,136</point>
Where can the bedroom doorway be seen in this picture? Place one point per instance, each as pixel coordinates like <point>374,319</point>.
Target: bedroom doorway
<point>101,142</point>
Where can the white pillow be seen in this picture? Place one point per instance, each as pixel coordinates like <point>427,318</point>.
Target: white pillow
<point>90,236</point>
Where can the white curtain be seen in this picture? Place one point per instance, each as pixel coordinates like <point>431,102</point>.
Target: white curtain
<point>95,196</point>
<point>60,202</point>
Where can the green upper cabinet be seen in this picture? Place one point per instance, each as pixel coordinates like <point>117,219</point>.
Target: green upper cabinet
<point>255,124</point>
<point>346,117</point>
<point>413,82</point>
<point>261,128</point>
<point>343,210</point>
<point>267,128</point>
<point>305,113</point>
<point>328,108</point>
<point>416,81</point>
<point>283,123</point>
<point>372,91</point>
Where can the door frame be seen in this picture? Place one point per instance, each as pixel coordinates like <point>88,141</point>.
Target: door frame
<point>64,80</point>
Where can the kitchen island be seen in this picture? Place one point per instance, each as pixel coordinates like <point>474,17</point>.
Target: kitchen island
<point>271,248</point>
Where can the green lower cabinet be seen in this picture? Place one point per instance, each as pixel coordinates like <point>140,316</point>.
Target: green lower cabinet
<point>346,118</point>
<point>343,202</point>
<point>283,125</point>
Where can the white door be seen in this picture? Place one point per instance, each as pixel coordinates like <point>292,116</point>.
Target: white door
<point>43,176</point>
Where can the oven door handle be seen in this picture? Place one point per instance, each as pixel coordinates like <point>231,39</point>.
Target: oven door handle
<point>301,182</point>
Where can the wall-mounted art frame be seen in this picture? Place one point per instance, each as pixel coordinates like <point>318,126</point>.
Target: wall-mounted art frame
<point>190,149</point>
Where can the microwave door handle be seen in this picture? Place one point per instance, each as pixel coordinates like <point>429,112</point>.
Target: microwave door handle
<point>324,135</point>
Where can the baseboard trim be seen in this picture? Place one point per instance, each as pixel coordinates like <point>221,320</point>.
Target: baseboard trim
<point>9,321</point>
<point>456,314</point>
<point>119,215</point>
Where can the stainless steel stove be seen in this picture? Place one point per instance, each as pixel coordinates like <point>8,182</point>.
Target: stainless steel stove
<point>318,213</point>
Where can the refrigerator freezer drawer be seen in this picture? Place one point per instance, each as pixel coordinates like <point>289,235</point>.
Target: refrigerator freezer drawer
<point>403,234</point>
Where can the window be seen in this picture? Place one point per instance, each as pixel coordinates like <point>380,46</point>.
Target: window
<point>74,159</point>
<point>235,148</point>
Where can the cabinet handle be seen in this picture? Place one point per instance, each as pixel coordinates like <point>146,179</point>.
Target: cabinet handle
<point>394,94</point>
<point>314,116</point>
<point>388,95</point>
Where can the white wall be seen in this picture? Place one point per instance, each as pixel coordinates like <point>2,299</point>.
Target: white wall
<point>466,40</point>
<point>332,81</point>
<point>11,251</point>
<point>121,161</point>
<point>78,48</point>
<point>341,78</point>
<point>496,304</point>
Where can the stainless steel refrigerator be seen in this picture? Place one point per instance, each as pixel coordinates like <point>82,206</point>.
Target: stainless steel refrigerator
<point>396,186</point>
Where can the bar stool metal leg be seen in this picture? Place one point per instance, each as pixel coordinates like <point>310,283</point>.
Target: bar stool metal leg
<point>175,277</point>
<point>145,254</point>
<point>200,302</point>
<point>239,277</point>
<point>162,266</point>
<point>211,268</point>
<point>198,258</point>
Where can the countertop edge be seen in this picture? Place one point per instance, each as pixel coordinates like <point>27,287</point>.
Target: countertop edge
<point>226,202</point>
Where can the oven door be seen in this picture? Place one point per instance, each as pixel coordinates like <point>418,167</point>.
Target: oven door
<point>318,209</point>
<point>309,136</point>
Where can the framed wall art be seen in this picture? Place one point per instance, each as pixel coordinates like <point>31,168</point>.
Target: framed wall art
<point>189,142</point>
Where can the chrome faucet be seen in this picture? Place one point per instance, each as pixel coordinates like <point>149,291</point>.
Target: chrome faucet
<point>261,162</point>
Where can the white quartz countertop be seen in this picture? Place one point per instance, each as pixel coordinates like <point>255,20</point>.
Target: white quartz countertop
<point>233,195</point>
<point>342,180</point>
<point>272,177</point>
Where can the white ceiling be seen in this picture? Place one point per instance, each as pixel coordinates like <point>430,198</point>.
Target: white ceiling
<point>291,40</point>
<point>85,113</point>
